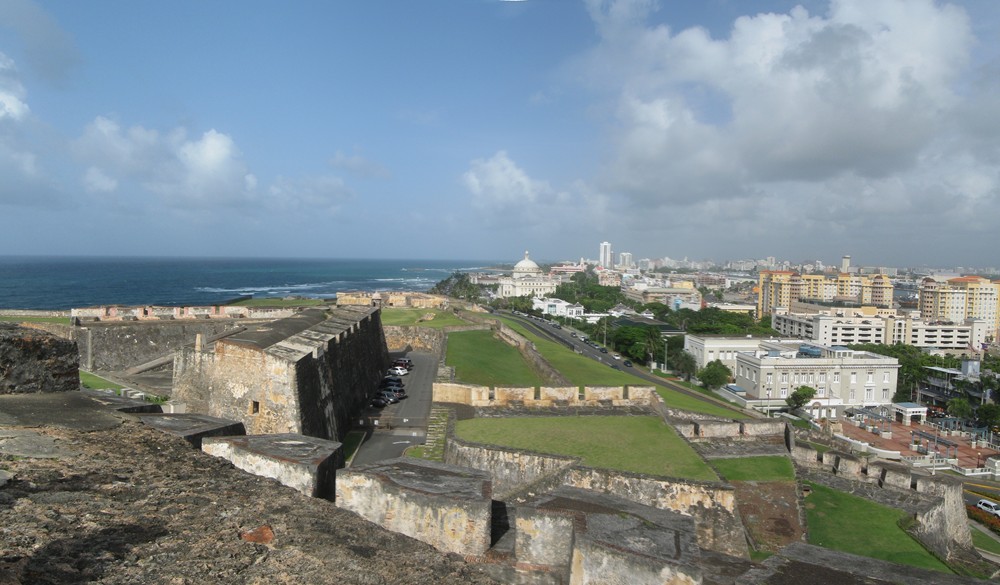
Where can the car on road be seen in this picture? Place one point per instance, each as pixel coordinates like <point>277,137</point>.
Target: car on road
<point>989,506</point>
<point>603,350</point>
<point>617,356</point>
<point>572,334</point>
<point>388,395</point>
<point>614,366</point>
<point>403,363</point>
<point>627,364</point>
<point>398,371</point>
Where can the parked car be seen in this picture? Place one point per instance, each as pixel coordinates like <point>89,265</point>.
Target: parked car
<point>378,402</point>
<point>397,392</point>
<point>989,506</point>
<point>403,363</point>
<point>398,371</point>
<point>389,396</point>
<point>391,384</point>
<point>627,364</point>
<point>393,379</point>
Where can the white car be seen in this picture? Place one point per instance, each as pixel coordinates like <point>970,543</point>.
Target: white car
<point>989,507</point>
<point>398,371</point>
<point>617,356</point>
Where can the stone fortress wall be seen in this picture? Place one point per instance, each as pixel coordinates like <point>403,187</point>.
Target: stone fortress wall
<point>34,361</point>
<point>308,374</point>
<point>934,501</point>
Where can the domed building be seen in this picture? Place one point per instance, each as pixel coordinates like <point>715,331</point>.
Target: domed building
<point>527,279</point>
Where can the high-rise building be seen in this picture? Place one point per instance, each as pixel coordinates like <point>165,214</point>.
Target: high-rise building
<point>780,288</point>
<point>845,264</point>
<point>625,260</point>
<point>606,260</point>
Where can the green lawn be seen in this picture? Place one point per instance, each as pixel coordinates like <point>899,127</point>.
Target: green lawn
<point>30,319</point>
<point>773,468</point>
<point>96,382</point>
<point>639,444</point>
<point>352,442</point>
<point>393,316</point>
<point>847,523</point>
<point>985,542</point>
<point>583,371</point>
<point>480,358</point>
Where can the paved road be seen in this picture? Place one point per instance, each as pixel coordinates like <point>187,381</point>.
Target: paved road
<point>402,424</point>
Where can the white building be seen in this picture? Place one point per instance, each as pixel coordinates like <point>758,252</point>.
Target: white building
<point>906,329</point>
<point>707,349</point>
<point>606,260</point>
<point>557,307</point>
<point>526,280</point>
<point>843,378</point>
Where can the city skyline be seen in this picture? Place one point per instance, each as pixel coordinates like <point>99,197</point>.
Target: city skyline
<point>475,130</point>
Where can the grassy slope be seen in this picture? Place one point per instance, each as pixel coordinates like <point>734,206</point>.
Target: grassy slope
<point>96,382</point>
<point>637,444</point>
<point>583,371</point>
<point>773,468</point>
<point>851,524</point>
<point>480,358</point>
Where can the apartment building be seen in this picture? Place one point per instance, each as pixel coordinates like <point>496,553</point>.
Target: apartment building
<point>780,288</point>
<point>958,299</point>
<point>906,329</point>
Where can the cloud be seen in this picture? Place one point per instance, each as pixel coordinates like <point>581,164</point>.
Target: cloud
<point>207,171</point>
<point>95,181</point>
<point>845,121</point>
<point>48,50</point>
<point>359,165</point>
<point>311,194</point>
<point>498,184</point>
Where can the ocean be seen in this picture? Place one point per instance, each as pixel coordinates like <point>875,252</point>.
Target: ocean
<point>59,283</point>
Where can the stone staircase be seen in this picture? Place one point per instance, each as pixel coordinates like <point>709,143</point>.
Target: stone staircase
<point>437,433</point>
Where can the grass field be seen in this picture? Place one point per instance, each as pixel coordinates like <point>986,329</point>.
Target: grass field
<point>847,523</point>
<point>583,371</point>
<point>774,468</point>
<point>96,382</point>
<point>480,358</point>
<point>985,542</point>
<point>29,319</point>
<point>638,444</point>
<point>391,316</point>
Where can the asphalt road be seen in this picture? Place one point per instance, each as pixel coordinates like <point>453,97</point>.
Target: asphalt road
<point>402,424</point>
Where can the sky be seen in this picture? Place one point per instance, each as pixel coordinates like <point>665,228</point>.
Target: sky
<point>478,129</point>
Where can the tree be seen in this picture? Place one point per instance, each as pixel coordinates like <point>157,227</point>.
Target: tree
<point>800,397</point>
<point>960,408</point>
<point>714,374</point>
<point>988,415</point>
<point>684,363</point>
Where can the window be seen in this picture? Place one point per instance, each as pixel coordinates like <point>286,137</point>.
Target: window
<point>254,407</point>
<point>885,377</point>
<point>784,377</point>
<point>769,377</point>
<point>822,377</point>
<point>821,392</point>
<point>871,377</point>
<point>885,394</point>
<point>868,394</point>
<point>852,395</point>
<point>753,375</point>
<point>784,392</point>
<point>854,377</point>
<point>836,377</point>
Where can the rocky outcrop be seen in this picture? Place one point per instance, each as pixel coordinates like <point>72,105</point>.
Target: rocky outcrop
<point>35,361</point>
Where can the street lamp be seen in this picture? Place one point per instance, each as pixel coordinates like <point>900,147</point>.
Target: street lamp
<point>978,455</point>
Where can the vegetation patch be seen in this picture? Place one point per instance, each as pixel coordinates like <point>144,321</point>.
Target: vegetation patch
<point>31,319</point>
<point>679,400</point>
<point>847,523</point>
<point>772,468</point>
<point>96,382</point>
<point>985,542</point>
<point>352,442</point>
<point>638,444</point>
<point>480,358</point>
<point>432,318</point>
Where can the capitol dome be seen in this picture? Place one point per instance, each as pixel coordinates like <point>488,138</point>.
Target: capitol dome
<point>526,267</point>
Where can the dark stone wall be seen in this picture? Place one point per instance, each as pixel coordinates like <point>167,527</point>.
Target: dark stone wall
<point>118,346</point>
<point>35,361</point>
<point>334,387</point>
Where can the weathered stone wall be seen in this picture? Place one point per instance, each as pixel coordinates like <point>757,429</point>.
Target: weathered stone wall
<point>288,390</point>
<point>427,339</point>
<point>762,427</point>
<point>527,350</point>
<point>117,346</point>
<point>510,469</point>
<point>414,500</point>
<point>944,527</point>
<point>712,505</point>
<point>483,396</point>
<point>711,429</point>
<point>36,361</point>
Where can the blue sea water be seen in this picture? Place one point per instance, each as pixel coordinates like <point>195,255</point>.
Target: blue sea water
<point>67,282</point>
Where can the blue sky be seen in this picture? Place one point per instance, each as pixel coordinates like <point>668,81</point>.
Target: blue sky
<point>476,129</point>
